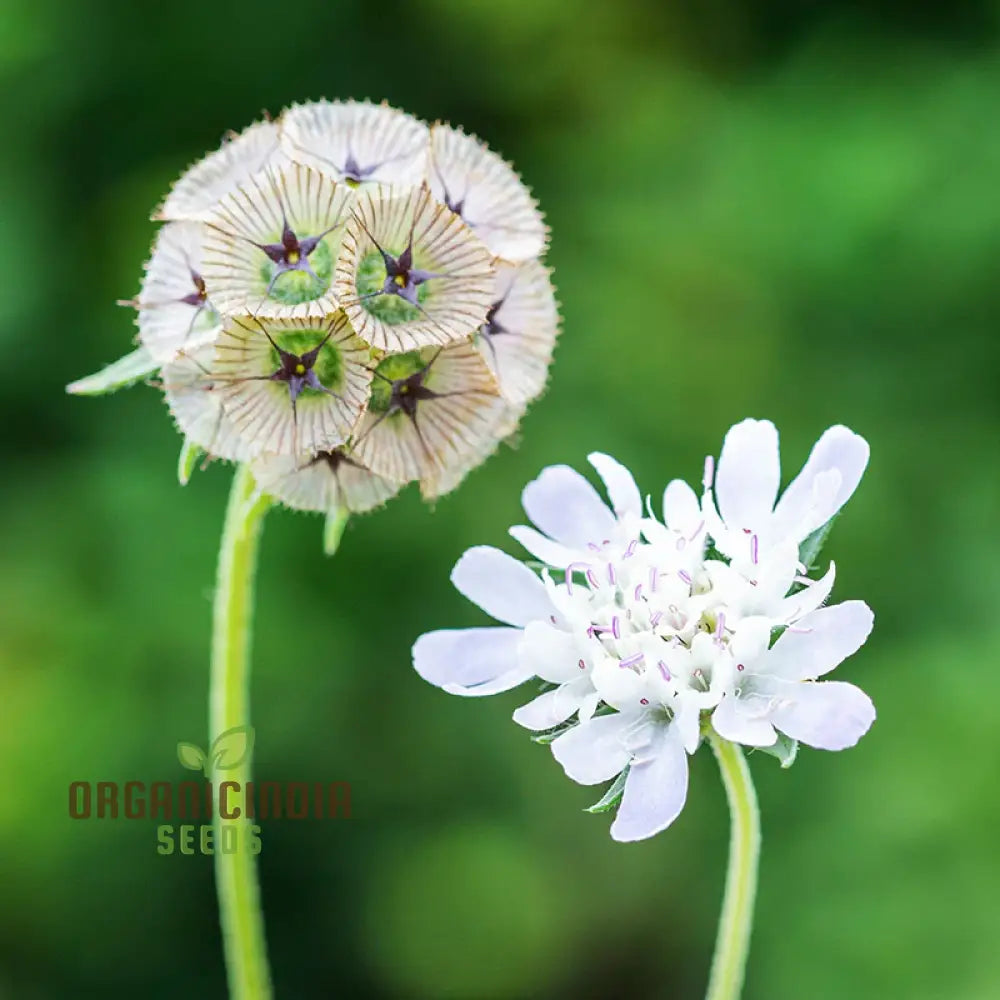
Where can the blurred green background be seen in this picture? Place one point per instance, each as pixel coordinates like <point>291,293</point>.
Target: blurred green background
<point>785,210</point>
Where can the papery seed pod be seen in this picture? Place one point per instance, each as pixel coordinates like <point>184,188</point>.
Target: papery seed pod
<point>429,408</point>
<point>174,313</point>
<point>330,480</point>
<point>195,403</point>
<point>357,142</point>
<point>486,191</point>
<point>204,184</point>
<point>294,386</point>
<point>444,479</point>
<point>273,244</point>
<point>411,273</point>
<point>520,331</point>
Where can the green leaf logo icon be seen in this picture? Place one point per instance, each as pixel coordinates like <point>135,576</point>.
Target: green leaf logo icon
<point>231,748</point>
<point>192,757</point>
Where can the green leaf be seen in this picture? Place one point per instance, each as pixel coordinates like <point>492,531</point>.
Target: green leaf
<point>784,750</point>
<point>612,796</point>
<point>810,549</point>
<point>333,530</point>
<point>188,459</point>
<point>123,372</point>
<point>191,756</point>
<point>232,748</point>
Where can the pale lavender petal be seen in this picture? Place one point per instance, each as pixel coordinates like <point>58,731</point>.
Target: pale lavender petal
<point>681,508</point>
<point>595,751</point>
<point>820,641</point>
<point>655,790</point>
<point>562,504</point>
<point>619,483</point>
<point>809,598</point>
<point>466,657</point>
<point>733,722</point>
<point>544,549</point>
<point>553,707</point>
<point>748,477</point>
<point>838,449</point>
<point>830,715</point>
<point>501,586</point>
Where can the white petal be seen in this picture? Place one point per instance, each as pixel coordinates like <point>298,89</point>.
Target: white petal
<point>819,642</point>
<point>681,510</point>
<point>731,722</point>
<point>830,715</point>
<point>655,791</point>
<point>501,586</point>
<point>549,653</point>
<point>751,639</point>
<point>808,599</point>
<point>466,657</point>
<point>618,481</point>
<point>553,707</point>
<point>596,750</point>
<point>542,548</point>
<point>838,449</point>
<point>562,504</point>
<point>747,480</point>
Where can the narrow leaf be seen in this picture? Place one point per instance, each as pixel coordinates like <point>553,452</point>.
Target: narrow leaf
<point>810,549</point>
<point>333,530</point>
<point>612,796</point>
<point>123,372</point>
<point>188,460</point>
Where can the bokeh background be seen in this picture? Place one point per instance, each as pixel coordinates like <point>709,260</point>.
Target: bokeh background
<point>783,209</point>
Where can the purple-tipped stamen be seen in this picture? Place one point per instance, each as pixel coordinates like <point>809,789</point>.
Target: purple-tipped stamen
<point>753,550</point>
<point>664,671</point>
<point>612,579</point>
<point>592,579</point>
<point>655,619</point>
<point>685,576</point>
<point>632,661</point>
<point>630,551</point>
<point>615,630</point>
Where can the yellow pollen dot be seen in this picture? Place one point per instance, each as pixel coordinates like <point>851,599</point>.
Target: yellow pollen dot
<point>300,369</point>
<point>400,280</point>
<point>293,257</point>
<point>351,182</point>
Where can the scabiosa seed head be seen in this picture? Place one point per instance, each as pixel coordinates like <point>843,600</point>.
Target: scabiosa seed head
<point>347,299</point>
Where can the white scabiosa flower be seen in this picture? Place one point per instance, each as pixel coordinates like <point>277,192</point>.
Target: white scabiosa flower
<point>486,191</point>
<point>202,186</point>
<point>357,142</point>
<point>274,242</point>
<point>328,305</point>
<point>411,272</point>
<point>645,638</point>
<point>174,313</point>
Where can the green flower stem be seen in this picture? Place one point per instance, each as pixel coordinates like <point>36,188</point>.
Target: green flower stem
<point>732,944</point>
<point>229,705</point>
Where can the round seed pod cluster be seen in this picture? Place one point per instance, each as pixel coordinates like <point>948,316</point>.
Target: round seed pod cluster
<point>349,300</point>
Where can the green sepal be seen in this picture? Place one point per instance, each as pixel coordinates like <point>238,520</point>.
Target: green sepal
<point>810,549</point>
<point>121,373</point>
<point>333,530</point>
<point>188,460</point>
<point>612,796</point>
<point>784,750</point>
<point>552,734</point>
